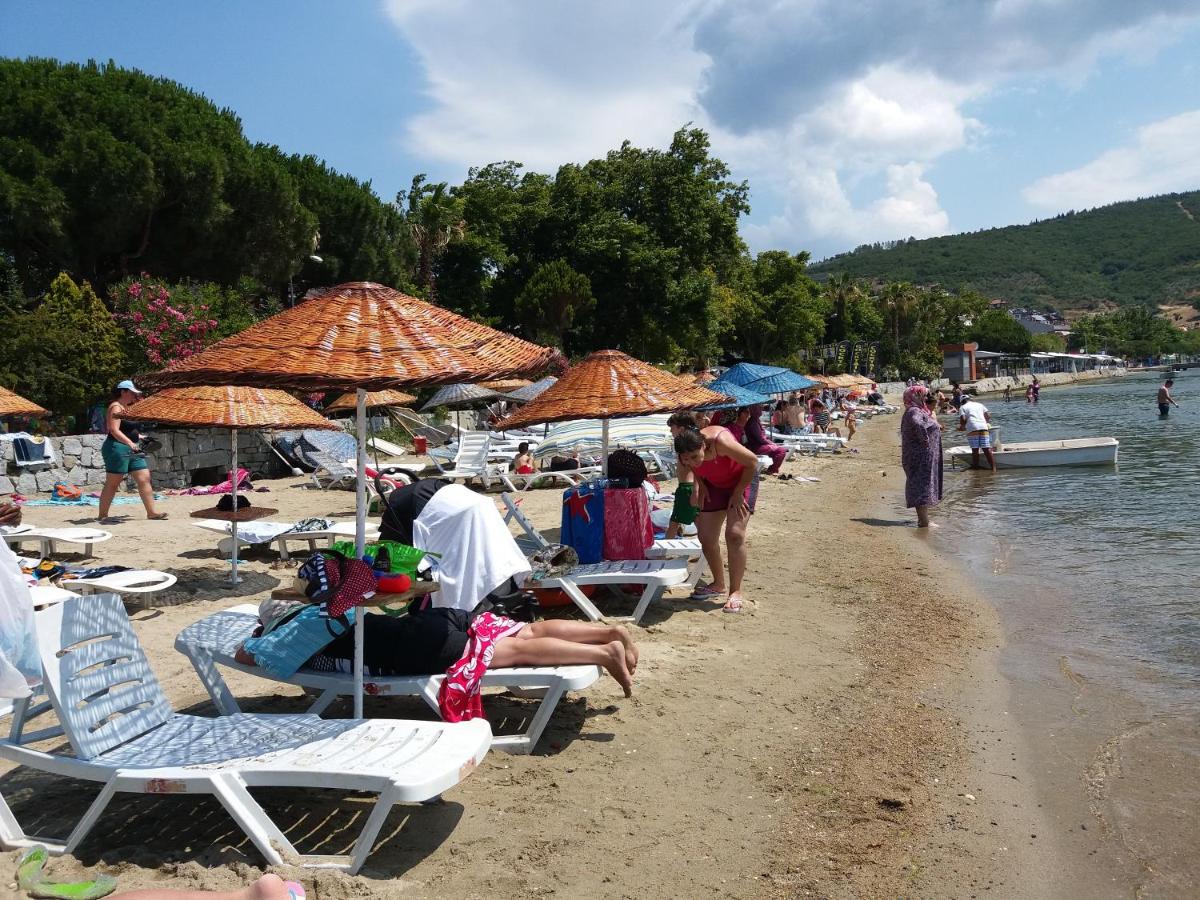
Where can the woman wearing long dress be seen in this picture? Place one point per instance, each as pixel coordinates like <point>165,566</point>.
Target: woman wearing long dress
<point>920,455</point>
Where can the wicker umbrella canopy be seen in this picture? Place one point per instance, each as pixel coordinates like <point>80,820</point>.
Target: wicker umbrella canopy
<point>375,400</point>
<point>15,405</point>
<point>608,385</point>
<point>462,395</point>
<point>359,335</point>
<point>527,393</point>
<point>507,385</point>
<point>226,407</point>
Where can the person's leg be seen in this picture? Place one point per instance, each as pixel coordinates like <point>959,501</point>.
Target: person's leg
<point>112,482</point>
<point>990,457</point>
<point>141,478</point>
<point>269,887</point>
<point>552,651</point>
<point>583,633</point>
<point>708,528</point>
<point>778,455</point>
<point>735,546</point>
<point>974,457</point>
<point>922,516</point>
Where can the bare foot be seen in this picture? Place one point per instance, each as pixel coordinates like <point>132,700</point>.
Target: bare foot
<point>928,525</point>
<point>631,650</point>
<point>734,604</point>
<point>269,887</point>
<point>617,668</point>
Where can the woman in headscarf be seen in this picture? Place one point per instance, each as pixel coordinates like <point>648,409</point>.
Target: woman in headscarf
<point>920,455</point>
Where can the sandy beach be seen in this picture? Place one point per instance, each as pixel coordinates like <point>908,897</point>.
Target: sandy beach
<point>843,737</point>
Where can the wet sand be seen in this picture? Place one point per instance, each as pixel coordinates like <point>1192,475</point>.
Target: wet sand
<point>823,743</point>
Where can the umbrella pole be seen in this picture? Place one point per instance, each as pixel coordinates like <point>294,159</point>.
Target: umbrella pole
<point>360,542</point>
<point>233,525</point>
<point>604,447</point>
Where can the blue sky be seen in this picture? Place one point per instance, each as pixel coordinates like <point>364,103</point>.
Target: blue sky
<point>853,122</point>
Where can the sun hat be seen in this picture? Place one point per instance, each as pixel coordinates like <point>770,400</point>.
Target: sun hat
<point>127,385</point>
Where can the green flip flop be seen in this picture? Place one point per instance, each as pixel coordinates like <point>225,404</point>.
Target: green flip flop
<point>29,876</point>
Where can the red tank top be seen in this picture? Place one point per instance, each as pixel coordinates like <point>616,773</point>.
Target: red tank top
<point>721,471</point>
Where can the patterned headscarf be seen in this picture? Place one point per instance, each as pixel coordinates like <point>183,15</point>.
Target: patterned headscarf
<point>915,396</point>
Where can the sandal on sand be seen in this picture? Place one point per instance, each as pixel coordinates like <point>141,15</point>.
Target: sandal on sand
<point>29,877</point>
<point>705,592</point>
<point>295,890</point>
<point>157,517</point>
<point>733,605</point>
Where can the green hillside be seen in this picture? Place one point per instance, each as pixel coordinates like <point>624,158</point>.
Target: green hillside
<point>1144,252</point>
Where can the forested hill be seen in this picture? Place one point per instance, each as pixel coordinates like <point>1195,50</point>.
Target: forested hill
<point>1144,252</point>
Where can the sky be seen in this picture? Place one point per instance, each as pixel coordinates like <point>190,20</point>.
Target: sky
<point>853,122</point>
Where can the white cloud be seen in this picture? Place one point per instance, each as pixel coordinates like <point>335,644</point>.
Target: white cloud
<point>834,111</point>
<point>1160,159</point>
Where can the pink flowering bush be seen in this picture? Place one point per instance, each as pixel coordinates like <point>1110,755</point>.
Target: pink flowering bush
<point>165,323</point>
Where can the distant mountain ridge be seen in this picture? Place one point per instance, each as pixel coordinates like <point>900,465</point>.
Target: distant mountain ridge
<point>1140,252</point>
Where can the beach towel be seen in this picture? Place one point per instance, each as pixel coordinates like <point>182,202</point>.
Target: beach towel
<point>458,697</point>
<point>225,487</point>
<point>85,500</point>
<point>627,527</point>
<point>478,553</point>
<point>19,665</point>
<point>583,520</point>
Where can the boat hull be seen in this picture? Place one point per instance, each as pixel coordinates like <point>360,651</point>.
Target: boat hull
<point>1077,452</point>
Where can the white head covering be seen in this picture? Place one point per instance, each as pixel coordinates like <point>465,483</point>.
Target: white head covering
<point>478,551</point>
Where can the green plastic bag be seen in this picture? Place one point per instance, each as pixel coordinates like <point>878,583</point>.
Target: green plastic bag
<point>402,559</point>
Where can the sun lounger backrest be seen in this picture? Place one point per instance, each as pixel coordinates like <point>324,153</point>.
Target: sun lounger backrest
<point>473,447</point>
<point>97,675</point>
<point>531,532</point>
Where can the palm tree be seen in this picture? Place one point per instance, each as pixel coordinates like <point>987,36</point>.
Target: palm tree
<point>435,219</point>
<point>898,299</point>
<point>839,290</point>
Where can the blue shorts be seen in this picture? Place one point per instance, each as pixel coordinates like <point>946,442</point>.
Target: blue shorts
<point>981,441</point>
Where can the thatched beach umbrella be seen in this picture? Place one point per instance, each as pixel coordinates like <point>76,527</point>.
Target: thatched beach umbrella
<point>527,393</point>
<point>611,385</point>
<point>507,385</point>
<point>12,404</point>
<point>362,337</point>
<point>462,396</point>
<point>232,408</point>
<point>375,400</point>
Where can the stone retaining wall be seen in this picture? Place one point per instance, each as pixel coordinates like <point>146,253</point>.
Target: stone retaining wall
<point>184,454</point>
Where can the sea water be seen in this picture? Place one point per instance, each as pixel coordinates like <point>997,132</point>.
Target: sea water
<point>1094,573</point>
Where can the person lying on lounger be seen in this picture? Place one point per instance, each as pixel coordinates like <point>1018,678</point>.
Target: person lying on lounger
<point>433,640</point>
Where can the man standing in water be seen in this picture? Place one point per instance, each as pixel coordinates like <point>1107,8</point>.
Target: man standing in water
<point>973,418</point>
<point>1165,400</point>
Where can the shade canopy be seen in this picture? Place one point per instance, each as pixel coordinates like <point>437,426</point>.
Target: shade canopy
<point>609,384</point>
<point>586,436</point>
<point>766,379</point>
<point>226,407</point>
<point>527,393</point>
<point>507,385</point>
<point>738,395</point>
<point>462,396</point>
<point>375,400</point>
<point>359,335</point>
<point>15,405</point>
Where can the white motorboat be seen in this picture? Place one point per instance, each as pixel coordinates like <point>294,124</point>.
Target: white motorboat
<point>1071,452</point>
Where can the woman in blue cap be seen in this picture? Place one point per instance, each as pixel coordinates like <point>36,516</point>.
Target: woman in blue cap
<point>121,453</point>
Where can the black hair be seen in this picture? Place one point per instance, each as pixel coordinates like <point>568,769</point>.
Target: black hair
<point>689,441</point>
<point>523,447</point>
<point>683,420</point>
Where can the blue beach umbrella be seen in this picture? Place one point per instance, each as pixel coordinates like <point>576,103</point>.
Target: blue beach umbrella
<point>767,379</point>
<point>738,395</point>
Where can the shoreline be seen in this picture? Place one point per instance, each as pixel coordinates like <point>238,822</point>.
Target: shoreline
<point>820,744</point>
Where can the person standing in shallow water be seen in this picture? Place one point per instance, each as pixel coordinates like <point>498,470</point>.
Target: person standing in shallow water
<point>920,455</point>
<point>1165,400</point>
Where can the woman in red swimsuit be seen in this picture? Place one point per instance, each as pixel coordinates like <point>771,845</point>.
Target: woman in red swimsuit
<point>723,470</point>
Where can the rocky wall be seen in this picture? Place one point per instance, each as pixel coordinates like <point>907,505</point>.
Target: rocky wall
<point>186,456</point>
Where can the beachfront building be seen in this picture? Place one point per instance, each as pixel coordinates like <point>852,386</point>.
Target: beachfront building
<point>1048,363</point>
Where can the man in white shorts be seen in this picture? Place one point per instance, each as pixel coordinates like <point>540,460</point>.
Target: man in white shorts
<point>973,418</point>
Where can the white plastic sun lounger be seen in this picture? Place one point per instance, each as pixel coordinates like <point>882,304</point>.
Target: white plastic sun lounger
<point>340,531</point>
<point>571,477</point>
<point>49,538</point>
<point>655,575</point>
<point>125,736</point>
<point>215,639</point>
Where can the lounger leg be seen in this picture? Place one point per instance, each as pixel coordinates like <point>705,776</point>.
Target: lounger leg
<point>652,592</point>
<point>366,838</point>
<point>323,702</point>
<point>571,589</point>
<point>525,742</point>
<point>698,570</point>
<point>272,843</point>
<point>210,677</point>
